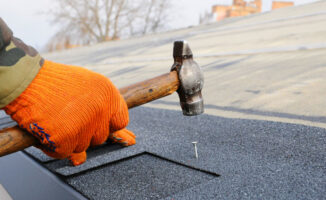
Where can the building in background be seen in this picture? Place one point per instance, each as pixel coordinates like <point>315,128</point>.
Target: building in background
<point>281,4</point>
<point>243,8</point>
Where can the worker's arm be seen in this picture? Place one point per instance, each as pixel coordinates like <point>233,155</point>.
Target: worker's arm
<point>19,64</point>
<point>67,108</point>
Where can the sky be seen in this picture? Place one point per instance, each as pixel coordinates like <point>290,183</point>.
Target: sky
<point>30,23</point>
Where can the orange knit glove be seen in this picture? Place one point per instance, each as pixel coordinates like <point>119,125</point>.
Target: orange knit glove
<point>69,108</point>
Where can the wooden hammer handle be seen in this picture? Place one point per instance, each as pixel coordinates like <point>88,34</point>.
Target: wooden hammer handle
<point>15,139</point>
<point>150,90</point>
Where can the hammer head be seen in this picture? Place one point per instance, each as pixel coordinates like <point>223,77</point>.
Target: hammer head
<point>191,79</point>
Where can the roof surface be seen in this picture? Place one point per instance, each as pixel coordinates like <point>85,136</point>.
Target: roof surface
<point>260,71</point>
<point>238,158</point>
<point>265,66</point>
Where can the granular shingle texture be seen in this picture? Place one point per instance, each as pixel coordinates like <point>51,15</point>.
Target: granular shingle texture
<point>141,177</point>
<point>255,159</point>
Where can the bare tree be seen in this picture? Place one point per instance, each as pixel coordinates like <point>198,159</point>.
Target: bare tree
<point>206,18</point>
<point>155,15</point>
<point>92,21</point>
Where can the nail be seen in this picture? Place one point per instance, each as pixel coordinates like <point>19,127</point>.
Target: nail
<point>195,145</point>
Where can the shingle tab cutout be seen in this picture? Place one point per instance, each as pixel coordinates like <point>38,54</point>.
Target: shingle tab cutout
<point>141,177</point>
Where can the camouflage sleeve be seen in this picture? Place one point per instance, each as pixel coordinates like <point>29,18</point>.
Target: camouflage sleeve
<point>19,64</point>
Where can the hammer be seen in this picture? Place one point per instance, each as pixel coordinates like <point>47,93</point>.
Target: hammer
<point>185,77</point>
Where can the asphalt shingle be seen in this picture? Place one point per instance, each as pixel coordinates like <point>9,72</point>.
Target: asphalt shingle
<point>254,158</point>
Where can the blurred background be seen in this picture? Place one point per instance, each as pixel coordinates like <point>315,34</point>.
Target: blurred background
<point>51,25</point>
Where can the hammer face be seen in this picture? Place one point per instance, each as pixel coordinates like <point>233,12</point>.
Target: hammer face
<point>192,105</point>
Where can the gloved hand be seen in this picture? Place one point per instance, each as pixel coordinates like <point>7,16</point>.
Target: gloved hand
<point>69,108</point>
